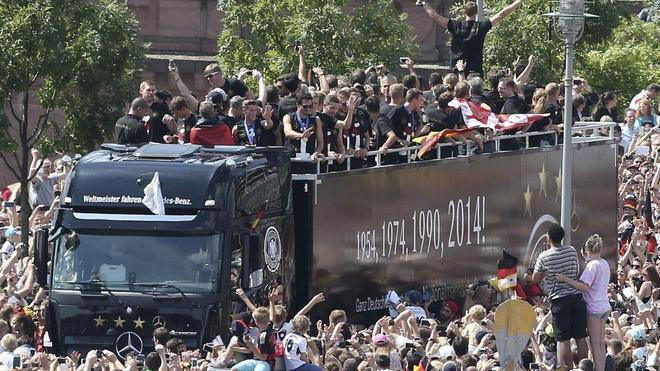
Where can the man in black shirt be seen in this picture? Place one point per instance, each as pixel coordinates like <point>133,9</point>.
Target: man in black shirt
<point>513,104</point>
<point>288,103</point>
<point>231,86</point>
<point>386,135</point>
<point>130,129</point>
<point>467,37</point>
<point>181,109</point>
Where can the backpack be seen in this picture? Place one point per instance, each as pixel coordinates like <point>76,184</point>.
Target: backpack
<point>269,343</point>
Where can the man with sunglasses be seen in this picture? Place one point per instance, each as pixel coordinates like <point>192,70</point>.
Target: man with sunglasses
<point>231,86</point>
<point>303,131</point>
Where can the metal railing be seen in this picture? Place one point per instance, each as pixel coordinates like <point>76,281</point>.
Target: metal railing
<point>580,131</point>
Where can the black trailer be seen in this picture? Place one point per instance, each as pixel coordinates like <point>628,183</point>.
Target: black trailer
<point>236,216</point>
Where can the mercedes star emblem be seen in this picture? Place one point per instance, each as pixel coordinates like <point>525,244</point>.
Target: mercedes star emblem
<point>128,342</point>
<point>158,321</point>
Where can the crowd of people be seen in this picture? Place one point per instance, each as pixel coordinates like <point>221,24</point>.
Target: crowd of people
<point>336,116</point>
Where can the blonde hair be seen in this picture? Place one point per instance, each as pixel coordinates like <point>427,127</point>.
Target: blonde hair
<point>337,316</point>
<point>642,103</point>
<point>9,342</point>
<point>594,244</point>
<point>261,315</point>
<point>477,312</point>
<point>538,99</point>
<point>300,324</point>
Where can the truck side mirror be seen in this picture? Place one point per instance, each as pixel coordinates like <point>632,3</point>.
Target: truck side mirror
<point>253,274</point>
<point>41,256</point>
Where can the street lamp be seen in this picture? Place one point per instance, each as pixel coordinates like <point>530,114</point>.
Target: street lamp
<point>569,24</point>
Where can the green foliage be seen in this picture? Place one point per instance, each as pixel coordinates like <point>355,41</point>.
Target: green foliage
<point>261,34</point>
<point>527,32</point>
<point>79,57</point>
<point>626,62</point>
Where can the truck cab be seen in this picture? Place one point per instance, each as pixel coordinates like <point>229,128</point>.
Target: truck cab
<point>118,271</point>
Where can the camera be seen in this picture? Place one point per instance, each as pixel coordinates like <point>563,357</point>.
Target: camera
<point>577,82</point>
<point>403,60</point>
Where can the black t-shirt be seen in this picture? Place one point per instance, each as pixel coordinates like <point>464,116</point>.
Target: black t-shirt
<point>330,132</point>
<point>188,124</point>
<point>467,43</point>
<point>286,106</point>
<point>494,101</point>
<point>157,129</point>
<point>234,87</point>
<point>383,125</point>
<point>405,122</point>
<point>300,125</point>
<point>130,129</point>
<point>437,119</point>
<point>360,127</point>
<point>515,104</point>
<point>254,135</point>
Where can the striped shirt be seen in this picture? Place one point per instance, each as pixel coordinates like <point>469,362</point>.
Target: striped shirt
<point>563,260</point>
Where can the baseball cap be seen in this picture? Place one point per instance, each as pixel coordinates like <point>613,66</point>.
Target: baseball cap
<point>11,231</point>
<point>380,339</point>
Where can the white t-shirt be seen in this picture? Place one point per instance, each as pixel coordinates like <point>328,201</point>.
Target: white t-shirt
<point>294,346</point>
<point>283,331</point>
<point>7,359</point>
<point>7,249</point>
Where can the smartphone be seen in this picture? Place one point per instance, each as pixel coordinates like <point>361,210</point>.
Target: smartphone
<point>534,366</point>
<point>193,362</point>
<point>249,73</point>
<point>642,150</point>
<point>297,45</point>
<point>61,360</point>
<point>171,65</point>
<point>425,322</point>
<point>17,362</point>
<point>32,352</point>
<point>44,207</point>
<point>139,359</point>
<point>8,204</point>
<point>577,82</point>
<point>208,347</point>
<point>57,193</point>
<point>403,60</point>
<point>99,354</point>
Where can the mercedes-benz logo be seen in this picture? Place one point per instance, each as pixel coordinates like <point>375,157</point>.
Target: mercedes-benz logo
<point>128,342</point>
<point>158,321</point>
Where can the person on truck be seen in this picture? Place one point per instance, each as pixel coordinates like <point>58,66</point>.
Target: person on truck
<point>251,131</point>
<point>304,132</point>
<point>210,130</point>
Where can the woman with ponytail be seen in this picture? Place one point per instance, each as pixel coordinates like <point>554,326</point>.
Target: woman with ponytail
<point>594,283</point>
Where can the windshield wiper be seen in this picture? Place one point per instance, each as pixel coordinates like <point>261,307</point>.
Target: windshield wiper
<point>156,285</point>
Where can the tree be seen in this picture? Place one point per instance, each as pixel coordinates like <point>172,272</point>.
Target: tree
<point>626,62</point>
<point>527,31</point>
<point>261,34</point>
<point>77,57</point>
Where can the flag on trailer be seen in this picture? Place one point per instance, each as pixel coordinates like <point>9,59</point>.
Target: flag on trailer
<point>474,115</point>
<point>507,272</point>
<point>514,121</point>
<point>431,139</point>
<point>153,197</point>
<point>648,211</point>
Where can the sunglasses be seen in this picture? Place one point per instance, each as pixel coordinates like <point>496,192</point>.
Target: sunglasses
<point>211,75</point>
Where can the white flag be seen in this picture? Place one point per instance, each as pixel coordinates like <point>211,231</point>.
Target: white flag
<point>153,198</point>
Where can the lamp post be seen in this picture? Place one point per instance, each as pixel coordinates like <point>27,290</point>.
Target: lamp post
<point>569,24</point>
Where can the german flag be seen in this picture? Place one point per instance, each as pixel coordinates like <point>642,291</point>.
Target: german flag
<point>507,272</point>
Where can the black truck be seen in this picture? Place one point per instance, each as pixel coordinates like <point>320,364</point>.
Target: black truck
<point>238,217</point>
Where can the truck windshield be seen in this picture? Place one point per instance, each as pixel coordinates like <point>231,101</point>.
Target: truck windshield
<point>169,262</point>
